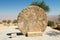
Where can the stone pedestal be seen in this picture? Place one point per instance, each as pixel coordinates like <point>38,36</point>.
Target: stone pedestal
<point>33,34</point>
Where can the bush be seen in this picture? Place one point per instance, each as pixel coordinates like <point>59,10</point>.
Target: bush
<point>51,23</point>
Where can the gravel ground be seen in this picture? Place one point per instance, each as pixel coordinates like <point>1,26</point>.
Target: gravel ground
<point>49,34</point>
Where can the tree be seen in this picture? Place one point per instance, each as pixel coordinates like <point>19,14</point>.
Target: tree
<point>50,23</point>
<point>15,22</point>
<point>41,4</point>
<point>4,22</point>
<point>8,22</point>
<point>59,17</point>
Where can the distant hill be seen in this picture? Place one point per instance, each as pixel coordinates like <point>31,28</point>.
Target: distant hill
<point>8,18</point>
<point>53,18</point>
<point>50,17</point>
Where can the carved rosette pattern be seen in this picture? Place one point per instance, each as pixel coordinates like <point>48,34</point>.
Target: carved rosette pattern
<point>32,19</point>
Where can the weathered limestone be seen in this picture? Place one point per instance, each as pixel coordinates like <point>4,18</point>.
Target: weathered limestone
<point>32,19</point>
<point>32,34</point>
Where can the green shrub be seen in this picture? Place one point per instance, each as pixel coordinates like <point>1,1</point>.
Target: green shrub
<point>51,23</point>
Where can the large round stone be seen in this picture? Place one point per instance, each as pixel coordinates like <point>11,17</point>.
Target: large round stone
<point>32,19</point>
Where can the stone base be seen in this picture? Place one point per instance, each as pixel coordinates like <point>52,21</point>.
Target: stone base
<point>34,34</point>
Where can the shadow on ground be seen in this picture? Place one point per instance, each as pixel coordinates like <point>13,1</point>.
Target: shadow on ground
<point>17,33</point>
<point>53,33</point>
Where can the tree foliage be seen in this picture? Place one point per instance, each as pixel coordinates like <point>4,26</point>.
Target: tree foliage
<point>59,17</point>
<point>8,21</point>
<point>15,21</point>
<point>4,21</point>
<point>41,4</point>
<point>51,23</point>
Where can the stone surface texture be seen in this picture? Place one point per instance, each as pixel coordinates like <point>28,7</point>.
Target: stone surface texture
<point>32,19</point>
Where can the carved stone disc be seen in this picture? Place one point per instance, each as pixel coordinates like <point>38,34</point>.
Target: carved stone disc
<point>32,19</point>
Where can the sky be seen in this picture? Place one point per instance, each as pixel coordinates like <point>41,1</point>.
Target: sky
<point>9,9</point>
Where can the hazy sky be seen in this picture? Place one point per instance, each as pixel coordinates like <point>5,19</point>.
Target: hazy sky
<point>11,8</point>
